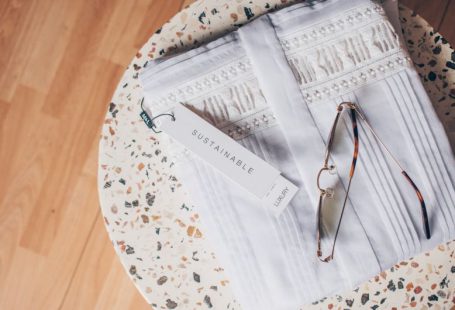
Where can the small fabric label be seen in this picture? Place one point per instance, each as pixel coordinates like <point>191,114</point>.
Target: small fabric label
<point>229,157</point>
<point>146,118</point>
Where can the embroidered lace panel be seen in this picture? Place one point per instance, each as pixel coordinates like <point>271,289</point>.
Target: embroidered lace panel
<point>340,54</point>
<point>329,59</point>
<point>228,97</point>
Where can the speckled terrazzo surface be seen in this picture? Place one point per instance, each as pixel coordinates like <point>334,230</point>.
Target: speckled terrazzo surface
<point>153,225</point>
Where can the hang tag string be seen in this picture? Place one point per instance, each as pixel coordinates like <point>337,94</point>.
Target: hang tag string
<point>149,121</point>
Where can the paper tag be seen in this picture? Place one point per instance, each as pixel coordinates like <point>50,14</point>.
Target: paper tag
<point>229,157</point>
<point>280,195</point>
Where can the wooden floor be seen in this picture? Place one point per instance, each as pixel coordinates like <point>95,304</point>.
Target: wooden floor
<point>60,62</point>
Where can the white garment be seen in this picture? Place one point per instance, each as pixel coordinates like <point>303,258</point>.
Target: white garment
<point>274,85</point>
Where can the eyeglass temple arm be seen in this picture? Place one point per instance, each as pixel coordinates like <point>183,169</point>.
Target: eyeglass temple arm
<point>351,174</point>
<point>321,196</point>
<point>423,208</point>
<point>355,155</point>
<point>331,137</point>
<point>318,233</point>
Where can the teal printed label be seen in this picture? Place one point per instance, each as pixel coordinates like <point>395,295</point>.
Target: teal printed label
<point>147,120</point>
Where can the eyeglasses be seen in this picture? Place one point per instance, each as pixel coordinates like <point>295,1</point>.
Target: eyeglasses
<point>325,193</point>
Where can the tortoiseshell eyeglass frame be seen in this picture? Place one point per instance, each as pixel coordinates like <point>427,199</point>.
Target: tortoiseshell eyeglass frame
<point>327,192</point>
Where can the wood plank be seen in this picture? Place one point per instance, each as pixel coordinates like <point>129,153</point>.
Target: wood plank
<point>118,294</point>
<point>48,50</point>
<point>447,27</point>
<point>102,285</point>
<point>118,42</point>
<point>432,11</point>
<point>118,47</point>
<point>55,89</point>
<point>80,67</point>
<point>20,28</point>
<point>54,93</point>
<point>411,4</point>
<point>22,143</point>
<point>81,122</point>
<point>24,163</point>
<point>4,109</point>
<point>187,3</point>
<point>13,28</point>
<point>37,281</point>
<point>158,13</point>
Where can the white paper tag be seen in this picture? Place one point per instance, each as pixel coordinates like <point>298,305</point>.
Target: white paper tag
<point>229,157</point>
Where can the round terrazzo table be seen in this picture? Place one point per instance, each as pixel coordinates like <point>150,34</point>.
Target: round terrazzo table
<point>154,227</point>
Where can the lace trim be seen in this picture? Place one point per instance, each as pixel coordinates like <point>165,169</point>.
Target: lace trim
<point>205,83</point>
<point>328,60</point>
<point>354,80</point>
<point>228,97</point>
<point>257,121</point>
<point>337,56</point>
<point>321,32</point>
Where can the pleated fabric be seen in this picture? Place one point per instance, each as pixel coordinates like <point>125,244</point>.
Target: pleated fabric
<point>274,85</point>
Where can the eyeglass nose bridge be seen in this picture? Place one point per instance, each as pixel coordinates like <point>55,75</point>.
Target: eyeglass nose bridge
<point>349,105</point>
<point>328,192</point>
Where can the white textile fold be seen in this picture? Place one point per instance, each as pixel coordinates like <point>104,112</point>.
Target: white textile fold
<point>273,85</point>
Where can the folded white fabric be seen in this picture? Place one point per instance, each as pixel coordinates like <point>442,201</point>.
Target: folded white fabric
<point>274,85</point>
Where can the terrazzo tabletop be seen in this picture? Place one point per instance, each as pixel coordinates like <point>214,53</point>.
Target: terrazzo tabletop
<point>153,226</point>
